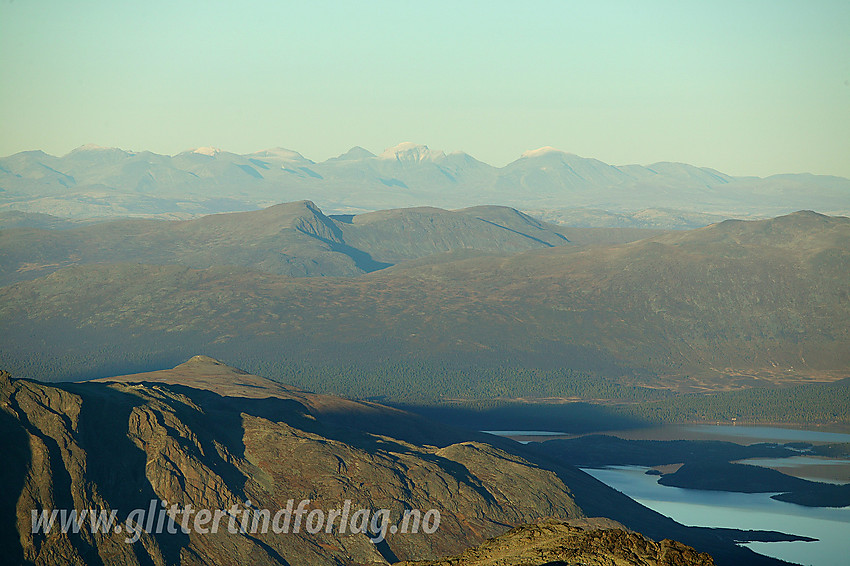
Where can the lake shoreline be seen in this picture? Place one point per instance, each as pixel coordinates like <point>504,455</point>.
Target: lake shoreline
<point>685,431</point>
<point>622,459</point>
<point>742,512</point>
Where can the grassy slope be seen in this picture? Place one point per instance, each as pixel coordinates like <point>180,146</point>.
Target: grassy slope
<point>730,305</point>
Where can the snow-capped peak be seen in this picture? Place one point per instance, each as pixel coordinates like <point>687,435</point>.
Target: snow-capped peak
<point>211,151</point>
<point>541,151</point>
<point>409,151</point>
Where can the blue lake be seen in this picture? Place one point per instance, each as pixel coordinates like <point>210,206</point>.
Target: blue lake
<point>768,434</point>
<point>739,510</point>
<point>742,511</point>
<point>510,433</point>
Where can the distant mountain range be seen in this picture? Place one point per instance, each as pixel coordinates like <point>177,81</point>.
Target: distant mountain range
<point>93,181</point>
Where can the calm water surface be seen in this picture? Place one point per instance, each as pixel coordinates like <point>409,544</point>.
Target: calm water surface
<point>767,434</point>
<point>755,511</point>
<point>742,511</point>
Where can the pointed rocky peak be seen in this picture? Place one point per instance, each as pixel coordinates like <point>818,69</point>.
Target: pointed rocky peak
<point>295,208</point>
<point>303,216</point>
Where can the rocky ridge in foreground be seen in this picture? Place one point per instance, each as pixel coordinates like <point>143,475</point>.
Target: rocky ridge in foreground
<point>554,542</point>
<point>210,436</point>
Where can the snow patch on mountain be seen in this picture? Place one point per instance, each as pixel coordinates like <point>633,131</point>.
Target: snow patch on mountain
<point>210,151</point>
<point>541,151</point>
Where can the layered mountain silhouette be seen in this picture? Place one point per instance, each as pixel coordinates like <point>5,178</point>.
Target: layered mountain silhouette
<point>95,181</point>
<point>736,303</point>
<point>389,277</point>
<point>295,239</point>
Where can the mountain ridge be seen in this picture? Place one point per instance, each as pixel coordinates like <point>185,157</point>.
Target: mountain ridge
<point>730,305</point>
<point>120,443</point>
<point>114,182</point>
<point>296,239</point>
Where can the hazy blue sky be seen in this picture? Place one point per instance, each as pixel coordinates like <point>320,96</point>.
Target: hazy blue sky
<point>746,87</point>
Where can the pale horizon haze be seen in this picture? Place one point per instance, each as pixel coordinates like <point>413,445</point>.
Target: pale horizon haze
<point>748,88</point>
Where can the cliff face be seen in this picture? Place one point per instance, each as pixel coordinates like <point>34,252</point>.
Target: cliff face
<point>205,436</point>
<point>556,542</point>
<point>117,445</point>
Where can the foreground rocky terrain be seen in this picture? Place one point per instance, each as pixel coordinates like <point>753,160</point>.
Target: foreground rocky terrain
<point>557,542</point>
<point>213,437</point>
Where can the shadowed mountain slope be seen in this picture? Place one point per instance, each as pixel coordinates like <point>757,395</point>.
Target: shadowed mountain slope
<point>294,239</point>
<point>119,444</point>
<point>734,303</point>
<point>396,235</point>
<point>289,239</point>
<point>211,436</point>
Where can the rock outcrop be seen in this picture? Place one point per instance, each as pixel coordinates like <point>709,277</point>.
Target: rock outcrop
<point>555,542</point>
<point>118,445</point>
